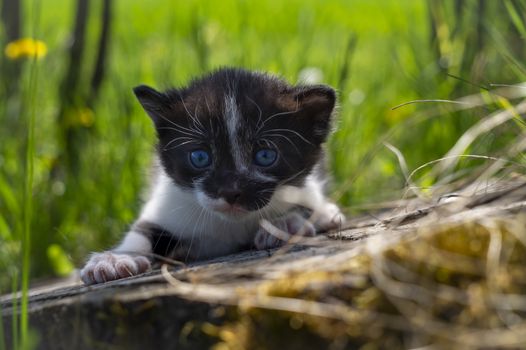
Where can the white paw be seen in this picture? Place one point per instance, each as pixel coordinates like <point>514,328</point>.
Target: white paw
<point>276,233</point>
<point>108,266</point>
<point>329,217</point>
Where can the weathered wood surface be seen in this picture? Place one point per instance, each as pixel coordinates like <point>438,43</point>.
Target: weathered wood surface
<point>148,312</point>
<point>167,309</point>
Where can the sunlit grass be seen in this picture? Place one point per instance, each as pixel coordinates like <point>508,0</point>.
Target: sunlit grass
<point>28,205</point>
<point>160,48</point>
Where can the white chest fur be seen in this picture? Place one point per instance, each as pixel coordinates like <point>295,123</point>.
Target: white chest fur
<point>180,213</point>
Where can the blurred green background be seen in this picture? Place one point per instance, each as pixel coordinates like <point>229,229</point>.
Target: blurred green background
<point>93,143</point>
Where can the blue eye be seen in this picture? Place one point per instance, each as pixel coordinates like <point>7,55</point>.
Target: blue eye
<point>265,157</point>
<point>200,158</point>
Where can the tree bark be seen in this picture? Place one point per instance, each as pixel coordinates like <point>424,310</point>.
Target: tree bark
<point>12,22</point>
<point>70,93</point>
<point>102,53</point>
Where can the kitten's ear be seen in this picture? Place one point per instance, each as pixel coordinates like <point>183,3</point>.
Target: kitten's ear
<point>316,104</point>
<point>153,102</point>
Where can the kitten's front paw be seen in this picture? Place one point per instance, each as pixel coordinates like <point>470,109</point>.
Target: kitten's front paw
<point>276,233</point>
<point>108,266</point>
<point>329,218</point>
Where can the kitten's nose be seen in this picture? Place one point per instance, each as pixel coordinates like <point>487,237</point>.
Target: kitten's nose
<point>230,195</point>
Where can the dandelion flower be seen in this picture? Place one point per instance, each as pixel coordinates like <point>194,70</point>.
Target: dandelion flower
<point>25,47</point>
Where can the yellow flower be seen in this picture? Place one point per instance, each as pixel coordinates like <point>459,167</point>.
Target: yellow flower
<point>76,117</point>
<point>25,47</point>
<point>85,117</point>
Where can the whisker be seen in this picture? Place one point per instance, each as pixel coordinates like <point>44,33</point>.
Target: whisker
<point>287,130</point>
<point>204,222</point>
<point>276,148</point>
<point>270,142</point>
<point>273,212</point>
<point>177,127</point>
<point>179,145</point>
<point>180,130</point>
<point>291,177</point>
<point>260,112</point>
<point>176,139</point>
<point>181,233</point>
<point>286,138</point>
<point>193,234</point>
<point>199,125</point>
<point>158,240</point>
<point>200,132</point>
<point>273,116</point>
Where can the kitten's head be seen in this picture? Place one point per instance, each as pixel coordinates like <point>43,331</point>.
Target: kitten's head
<point>234,137</point>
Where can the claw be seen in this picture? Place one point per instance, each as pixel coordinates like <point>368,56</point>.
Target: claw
<point>108,266</point>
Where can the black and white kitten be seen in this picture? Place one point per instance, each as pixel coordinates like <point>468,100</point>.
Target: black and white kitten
<point>239,163</point>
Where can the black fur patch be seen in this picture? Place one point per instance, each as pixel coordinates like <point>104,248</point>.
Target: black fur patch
<point>165,243</point>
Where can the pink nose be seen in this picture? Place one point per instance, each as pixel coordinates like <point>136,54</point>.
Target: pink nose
<point>229,207</point>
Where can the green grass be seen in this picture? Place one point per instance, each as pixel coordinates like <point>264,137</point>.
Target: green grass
<point>54,219</point>
<point>28,207</point>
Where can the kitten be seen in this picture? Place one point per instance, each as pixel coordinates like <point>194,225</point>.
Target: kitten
<point>239,162</point>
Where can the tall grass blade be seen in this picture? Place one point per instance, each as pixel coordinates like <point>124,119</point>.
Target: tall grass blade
<point>28,208</point>
<point>515,17</point>
<point>28,189</point>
